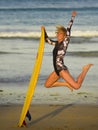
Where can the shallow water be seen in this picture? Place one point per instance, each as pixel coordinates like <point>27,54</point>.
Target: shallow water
<point>20,27</point>
<point>17,58</point>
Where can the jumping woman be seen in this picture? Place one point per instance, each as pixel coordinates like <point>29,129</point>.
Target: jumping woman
<point>59,51</point>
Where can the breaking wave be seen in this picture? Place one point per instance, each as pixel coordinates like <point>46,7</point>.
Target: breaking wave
<point>37,35</point>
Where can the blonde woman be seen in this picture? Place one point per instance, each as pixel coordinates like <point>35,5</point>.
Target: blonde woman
<point>59,51</point>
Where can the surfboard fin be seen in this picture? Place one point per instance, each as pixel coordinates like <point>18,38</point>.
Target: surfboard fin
<point>28,115</point>
<point>24,124</point>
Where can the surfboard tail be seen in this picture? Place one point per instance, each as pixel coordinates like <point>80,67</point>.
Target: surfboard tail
<point>24,124</point>
<point>28,115</point>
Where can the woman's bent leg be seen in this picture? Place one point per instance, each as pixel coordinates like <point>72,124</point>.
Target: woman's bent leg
<point>83,74</point>
<point>53,77</point>
<point>52,81</point>
<point>70,80</point>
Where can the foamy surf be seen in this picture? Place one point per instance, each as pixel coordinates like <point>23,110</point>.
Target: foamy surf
<point>51,34</point>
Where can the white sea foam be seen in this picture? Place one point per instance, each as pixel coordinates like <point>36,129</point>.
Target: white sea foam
<point>51,34</point>
<point>85,33</point>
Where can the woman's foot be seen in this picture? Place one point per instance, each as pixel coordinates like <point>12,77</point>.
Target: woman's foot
<point>68,85</point>
<point>87,67</point>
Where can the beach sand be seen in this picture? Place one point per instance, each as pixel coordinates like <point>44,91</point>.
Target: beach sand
<point>51,117</point>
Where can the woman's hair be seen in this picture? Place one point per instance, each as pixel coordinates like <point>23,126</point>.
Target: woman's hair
<point>61,28</point>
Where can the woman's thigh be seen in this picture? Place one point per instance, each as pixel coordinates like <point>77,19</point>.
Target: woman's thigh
<point>68,78</point>
<point>53,77</point>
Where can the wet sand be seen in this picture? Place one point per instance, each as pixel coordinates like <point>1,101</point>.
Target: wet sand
<point>51,117</point>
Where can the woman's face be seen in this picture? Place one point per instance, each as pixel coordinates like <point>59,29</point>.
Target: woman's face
<point>60,36</point>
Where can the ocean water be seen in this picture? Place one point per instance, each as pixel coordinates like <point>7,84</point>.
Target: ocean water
<point>20,30</point>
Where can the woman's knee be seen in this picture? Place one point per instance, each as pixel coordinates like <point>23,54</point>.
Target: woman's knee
<point>47,85</point>
<point>77,86</point>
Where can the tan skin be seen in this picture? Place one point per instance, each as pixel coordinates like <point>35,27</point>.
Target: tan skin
<point>69,81</point>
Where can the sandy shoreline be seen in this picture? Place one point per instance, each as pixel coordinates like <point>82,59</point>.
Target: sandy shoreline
<point>52,117</point>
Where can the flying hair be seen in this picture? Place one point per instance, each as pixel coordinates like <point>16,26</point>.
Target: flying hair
<point>60,28</point>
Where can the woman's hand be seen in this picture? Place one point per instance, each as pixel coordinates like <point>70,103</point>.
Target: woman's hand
<point>42,27</point>
<point>74,13</point>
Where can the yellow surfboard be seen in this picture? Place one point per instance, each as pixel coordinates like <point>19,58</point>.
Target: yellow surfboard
<point>33,80</point>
